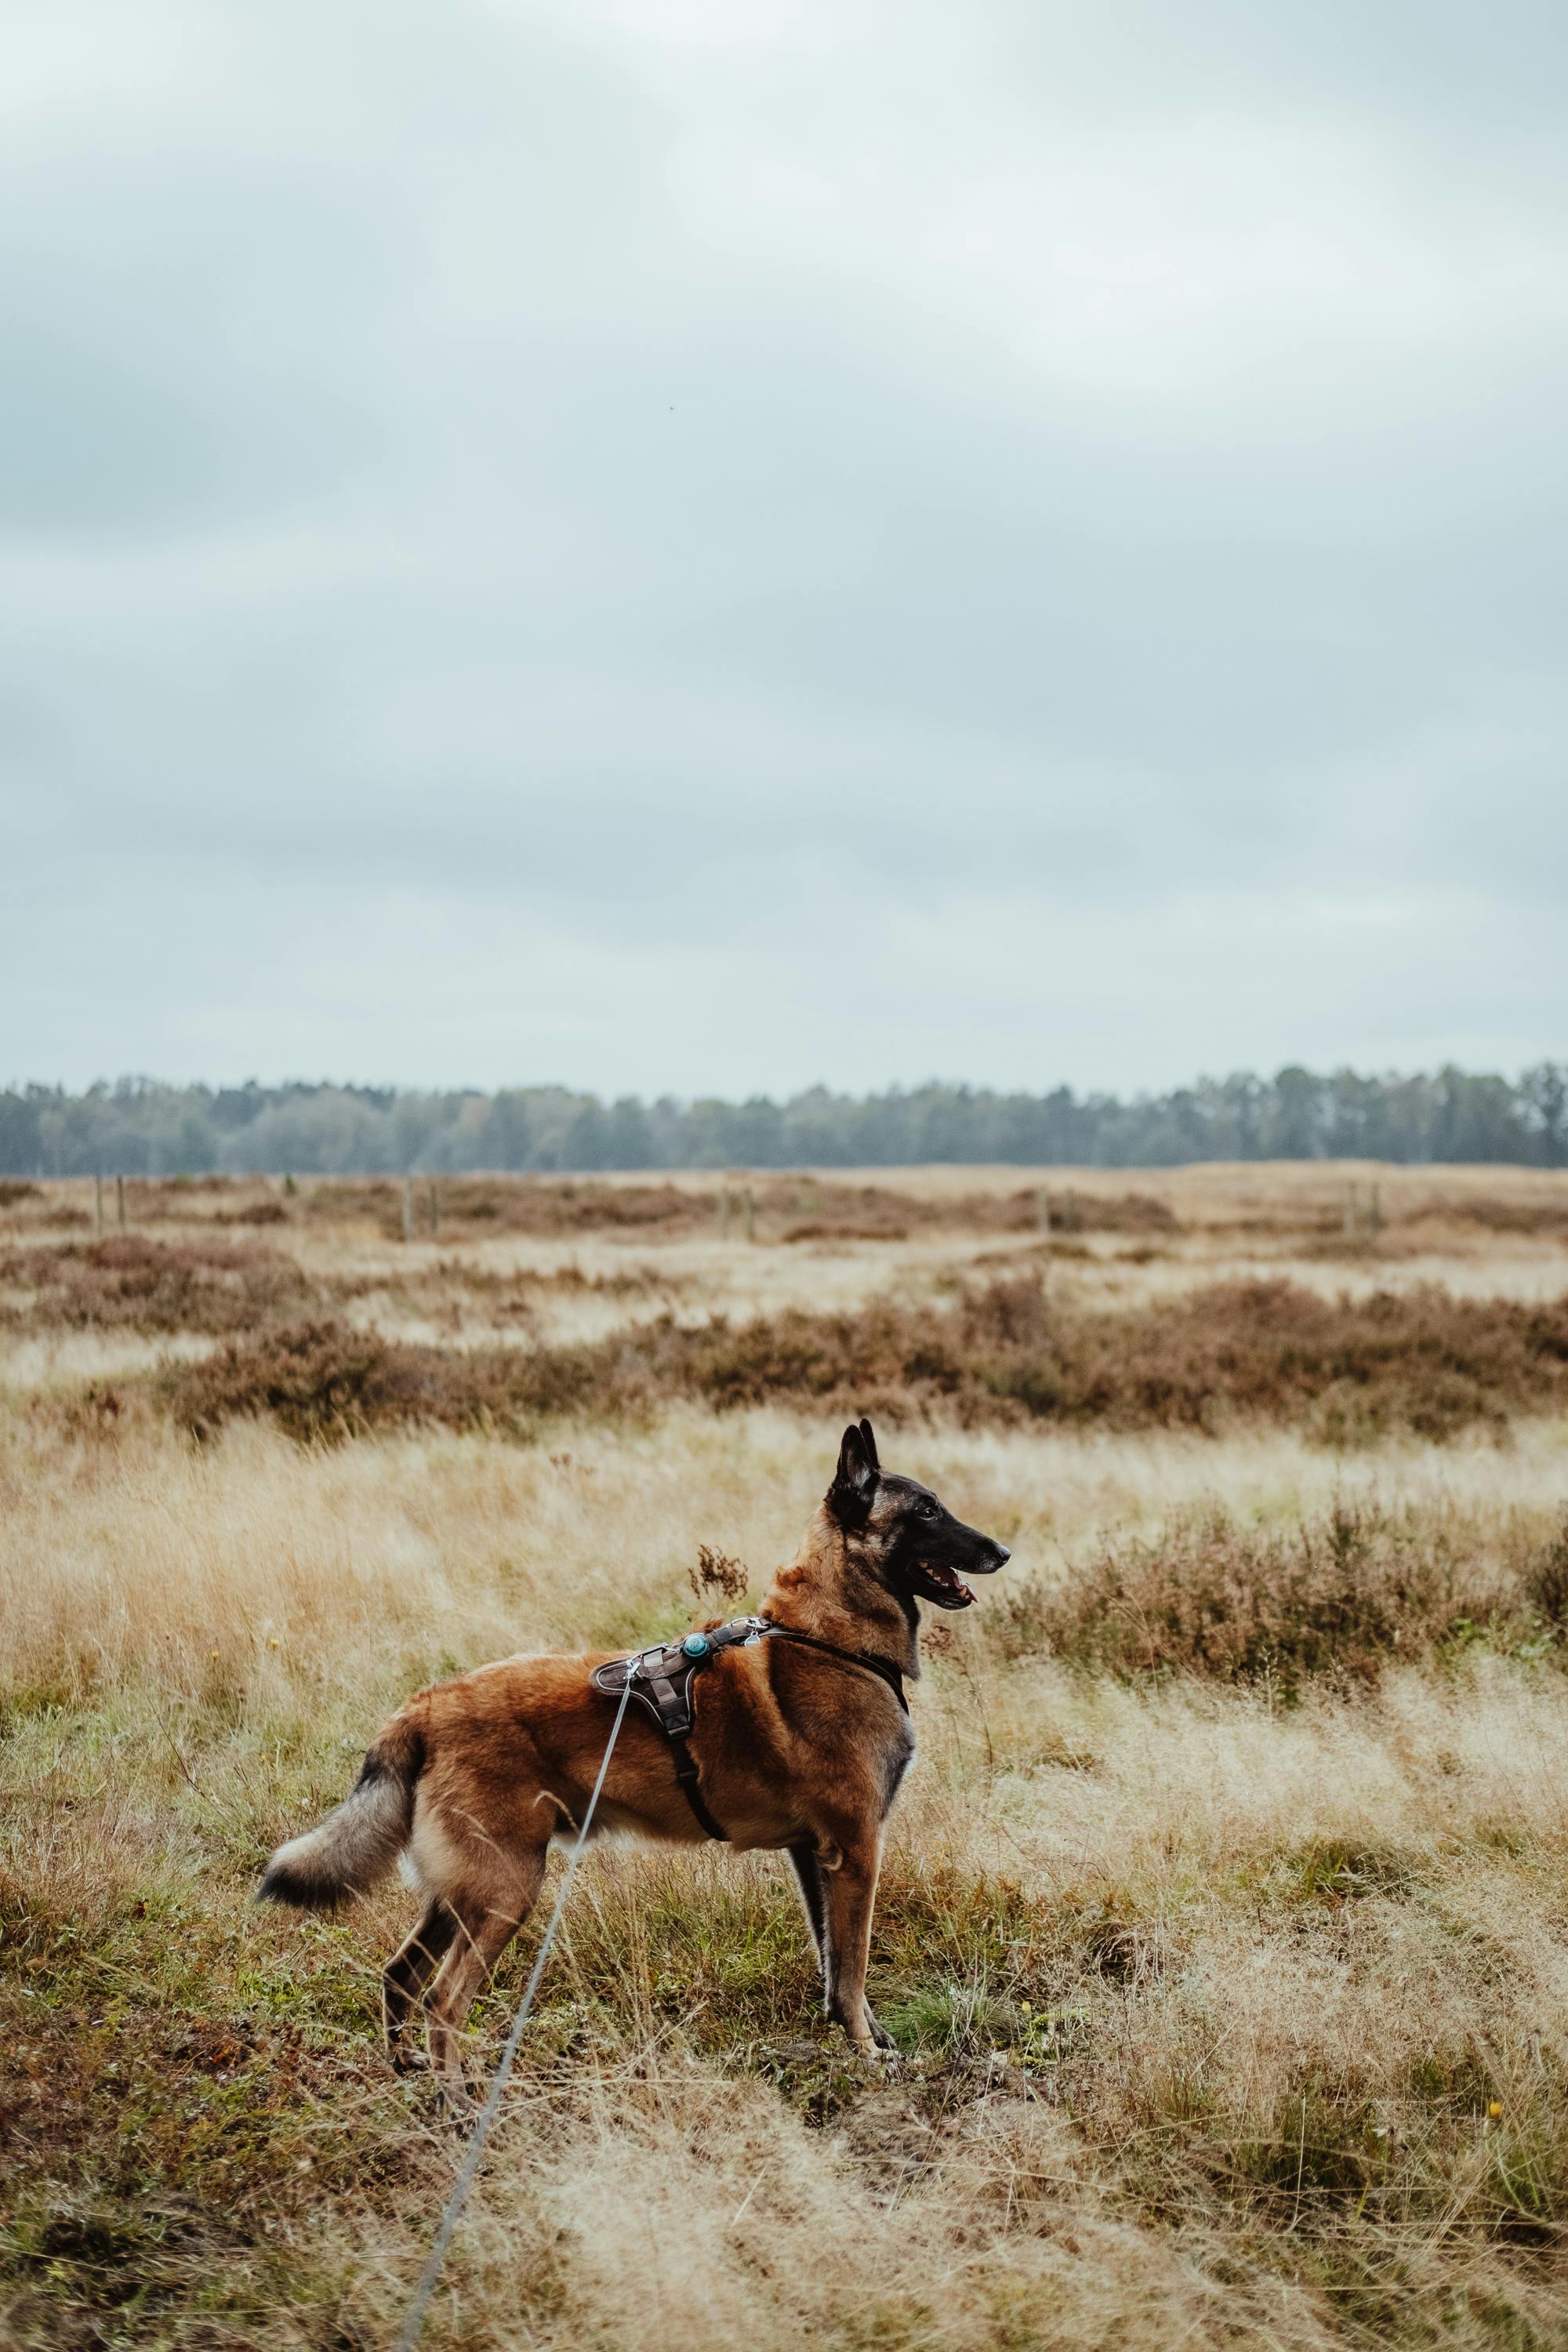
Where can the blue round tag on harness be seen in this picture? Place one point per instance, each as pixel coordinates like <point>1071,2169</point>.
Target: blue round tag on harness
<point>695,1645</point>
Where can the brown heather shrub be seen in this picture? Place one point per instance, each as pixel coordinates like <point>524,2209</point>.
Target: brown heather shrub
<point>792,1208</point>
<point>337,1201</point>
<point>822,1230</point>
<point>259,1212</point>
<point>483,1281</point>
<point>1101,1213</point>
<point>1346,1594</point>
<point>807,1209</point>
<point>323,1381</point>
<point>872,1213</point>
<point>1422,1226</point>
<point>176,1199</point>
<point>541,1207</point>
<point>130,1282</point>
<point>588,1207</point>
<point>1419,1360</point>
<point>1351,1370</point>
<point>1537,1220</point>
<point>1334,1246</point>
<point>1347,1370</point>
<point>13,1191</point>
<point>447,1292</point>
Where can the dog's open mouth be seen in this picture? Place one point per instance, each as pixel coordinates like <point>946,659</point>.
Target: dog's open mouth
<point>948,1590</point>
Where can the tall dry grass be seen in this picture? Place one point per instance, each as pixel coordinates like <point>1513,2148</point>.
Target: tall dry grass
<point>1223,1929</point>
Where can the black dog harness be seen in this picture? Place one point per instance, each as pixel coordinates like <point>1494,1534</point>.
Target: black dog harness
<point>662,1683</point>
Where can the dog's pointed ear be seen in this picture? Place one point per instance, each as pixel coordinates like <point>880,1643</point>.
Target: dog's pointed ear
<point>853,1480</point>
<point>868,1439</point>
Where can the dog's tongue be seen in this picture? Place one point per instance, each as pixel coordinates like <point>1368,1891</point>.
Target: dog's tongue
<point>950,1583</point>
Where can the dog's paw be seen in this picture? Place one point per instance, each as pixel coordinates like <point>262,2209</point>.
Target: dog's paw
<point>459,2104</point>
<point>881,2055</point>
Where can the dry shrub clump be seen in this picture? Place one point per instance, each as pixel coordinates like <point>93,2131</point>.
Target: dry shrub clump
<point>1351,1369</point>
<point>255,1213</point>
<point>1348,1371</point>
<point>1346,1594</point>
<point>344,1201</point>
<point>513,1286</point>
<point>540,1208</point>
<point>791,1208</point>
<point>1420,1361</point>
<point>323,1381</point>
<point>1539,1219</point>
<point>174,1200</point>
<point>810,1209</point>
<point>573,1208</point>
<point>1103,1212</point>
<point>129,1283</point>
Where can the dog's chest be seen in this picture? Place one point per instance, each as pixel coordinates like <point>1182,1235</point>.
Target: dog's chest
<point>897,1754</point>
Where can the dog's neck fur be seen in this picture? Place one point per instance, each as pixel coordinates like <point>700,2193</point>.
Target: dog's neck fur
<point>824,1592</point>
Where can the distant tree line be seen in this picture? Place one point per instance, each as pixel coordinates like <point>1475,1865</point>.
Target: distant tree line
<point>140,1127</point>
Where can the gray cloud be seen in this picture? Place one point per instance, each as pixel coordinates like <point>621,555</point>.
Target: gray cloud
<point>672,545</point>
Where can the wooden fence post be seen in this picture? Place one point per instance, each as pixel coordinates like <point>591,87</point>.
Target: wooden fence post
<point>749,1198</point>
<point>434,1210</point>
<point>98,1204</point>
<point>408,1208</point>
<point>1042,1210</point>
<point>120,1200</point>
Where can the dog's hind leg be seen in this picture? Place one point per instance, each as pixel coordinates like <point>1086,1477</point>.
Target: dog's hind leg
<point>488,1916</point>
<point>408,1972</point>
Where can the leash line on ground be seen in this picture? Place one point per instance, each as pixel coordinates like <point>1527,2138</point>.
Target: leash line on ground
<point>415,2318</point>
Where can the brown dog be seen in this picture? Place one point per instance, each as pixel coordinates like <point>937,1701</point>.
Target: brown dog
<point>797,1747</point>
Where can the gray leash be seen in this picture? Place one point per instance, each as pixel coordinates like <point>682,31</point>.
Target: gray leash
<point>415,2318</point>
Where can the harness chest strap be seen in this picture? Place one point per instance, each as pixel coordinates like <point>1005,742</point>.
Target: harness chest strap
<point>660,1680</point>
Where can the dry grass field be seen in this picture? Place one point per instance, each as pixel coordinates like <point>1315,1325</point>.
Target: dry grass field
<point>1224,1926</point>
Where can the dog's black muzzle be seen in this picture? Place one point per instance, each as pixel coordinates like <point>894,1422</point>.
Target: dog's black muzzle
<point>938,1579</point>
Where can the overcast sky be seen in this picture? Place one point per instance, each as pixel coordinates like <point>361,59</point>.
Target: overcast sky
<point>706,546</point>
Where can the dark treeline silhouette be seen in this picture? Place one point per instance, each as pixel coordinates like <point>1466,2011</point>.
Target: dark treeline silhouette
<point>140,1127</point>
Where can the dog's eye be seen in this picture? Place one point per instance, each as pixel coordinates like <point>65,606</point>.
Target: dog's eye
<point>926,1507</point>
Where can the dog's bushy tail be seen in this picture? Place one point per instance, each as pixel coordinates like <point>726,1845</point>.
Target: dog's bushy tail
<point>358,1843</point>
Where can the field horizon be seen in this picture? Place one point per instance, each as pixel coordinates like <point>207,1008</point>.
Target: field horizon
<point>144,1127</point>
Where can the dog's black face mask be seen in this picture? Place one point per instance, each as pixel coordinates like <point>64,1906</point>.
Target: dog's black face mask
<point>899,1531</point>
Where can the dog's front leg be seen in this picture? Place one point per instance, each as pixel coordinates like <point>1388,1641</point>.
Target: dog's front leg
<point>851,1896</point>
<point>802,1854</point>
<point>812,1863</point>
